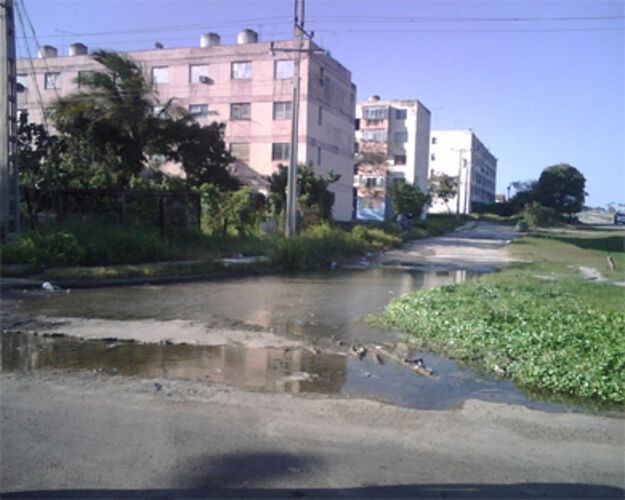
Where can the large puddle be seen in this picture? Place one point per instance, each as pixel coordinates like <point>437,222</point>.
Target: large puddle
<point>292,370</point>
<point>315,307</point>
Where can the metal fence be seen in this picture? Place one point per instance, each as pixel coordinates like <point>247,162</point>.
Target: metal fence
<point>168,210</point>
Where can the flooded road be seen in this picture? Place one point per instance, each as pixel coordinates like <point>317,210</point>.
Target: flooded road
<point>290,370</point>
<point>319,309</point>
<point>314,305</point>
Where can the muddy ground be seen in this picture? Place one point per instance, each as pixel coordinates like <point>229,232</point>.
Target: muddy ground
<point>87,434</point>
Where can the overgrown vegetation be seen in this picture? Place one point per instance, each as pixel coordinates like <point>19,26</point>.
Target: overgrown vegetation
<point>537,322</point>
<point>94,242</point>
<point>553,336</point>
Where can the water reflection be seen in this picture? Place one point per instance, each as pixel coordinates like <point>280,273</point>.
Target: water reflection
<point>312,304</point>
<point>271,369</point>
<point>279,370</point>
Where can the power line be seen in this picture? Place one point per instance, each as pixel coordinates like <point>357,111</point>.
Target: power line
<point>416,19</point>
<point>175,27</point>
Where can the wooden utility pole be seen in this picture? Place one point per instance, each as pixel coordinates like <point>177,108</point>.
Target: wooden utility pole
<point>9,194</point>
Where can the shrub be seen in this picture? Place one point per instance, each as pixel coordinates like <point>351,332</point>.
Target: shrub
<point>537,215</point>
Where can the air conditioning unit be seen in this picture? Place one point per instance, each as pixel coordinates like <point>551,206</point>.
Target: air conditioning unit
<point>205,79</point>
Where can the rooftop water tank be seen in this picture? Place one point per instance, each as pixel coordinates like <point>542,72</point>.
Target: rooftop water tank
<point>47,51</point>
<point>77,49</point>
<point>210,40</point>
<point>247,36</point>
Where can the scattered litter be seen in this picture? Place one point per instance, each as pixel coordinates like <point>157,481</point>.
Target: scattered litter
<point>49,287</point>
<point>359,351</point>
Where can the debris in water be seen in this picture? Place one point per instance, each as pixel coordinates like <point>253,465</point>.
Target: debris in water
<point>359,351</point>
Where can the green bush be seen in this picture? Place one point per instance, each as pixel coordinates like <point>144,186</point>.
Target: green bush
<point>537,215</point>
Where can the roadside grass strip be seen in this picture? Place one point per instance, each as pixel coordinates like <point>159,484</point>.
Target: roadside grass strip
<point>558,336</point>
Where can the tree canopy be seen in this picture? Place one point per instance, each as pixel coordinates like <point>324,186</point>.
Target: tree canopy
<point>314,199</point>
<point>116,124</point>
<point>561,187</point>
<point>407,199</point>
<point>442,186</point>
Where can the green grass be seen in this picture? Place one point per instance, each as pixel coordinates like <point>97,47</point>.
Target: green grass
<point>93,249</point>
<point>562,253</point>
<point>536,323</point>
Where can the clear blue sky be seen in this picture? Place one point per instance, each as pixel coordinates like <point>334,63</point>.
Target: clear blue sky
<point>538,85</point>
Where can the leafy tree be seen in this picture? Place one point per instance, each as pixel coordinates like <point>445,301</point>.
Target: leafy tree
<point>443,187</point>
<point>407,199</point>
<point>561,187</point>
<point>110,124</point>
<point>527,193</point>
<point>314,199</point>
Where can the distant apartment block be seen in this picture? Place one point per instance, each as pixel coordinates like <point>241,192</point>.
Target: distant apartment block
<point>392,142</point>
<point>248,86</point>
<point>460,154</point>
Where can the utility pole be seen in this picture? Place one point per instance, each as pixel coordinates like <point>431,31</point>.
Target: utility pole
<point>298,43</point>
<point>465,192</point>
<point>291,194</point>
<point>9,186</point>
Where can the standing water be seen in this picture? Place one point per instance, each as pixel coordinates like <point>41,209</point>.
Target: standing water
<point>311,307</point>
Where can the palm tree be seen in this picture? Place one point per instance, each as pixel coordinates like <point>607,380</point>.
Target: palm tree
<point>111,120</point>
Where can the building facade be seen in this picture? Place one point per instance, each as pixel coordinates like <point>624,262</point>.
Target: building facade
<point>460,154</point>
<point>392,142</point>
<point>248,86</point>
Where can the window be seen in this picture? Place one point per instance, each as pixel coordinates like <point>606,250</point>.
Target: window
<point>160,74</point>
<point>375,134</point>
<point>319,155</point>
<point>400,159</point>
<point>198,73</point>
<point>322,77</point>
<point>433,140</point>
<point>357,124</point>
<point>280,151</point>
<point>22,83</point>
<point>240,150</point>
<point>282,110</point>
<point>375,113</point>
<point>241,70</point>
<point>371,203</point>
<point>198,110</point>
<point>283,70</point>
<point>22,112</point>
<point>401,136</point>
<point>240,111</point>
<point>53,81</point>
<point>401,114</point>
<point>371,181</point>
<point>82,75</point>
<point>320,116</point>
<point>433,157</point>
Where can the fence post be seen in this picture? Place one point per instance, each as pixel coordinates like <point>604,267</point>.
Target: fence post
<point>123,207</point>
<point>161,214</point>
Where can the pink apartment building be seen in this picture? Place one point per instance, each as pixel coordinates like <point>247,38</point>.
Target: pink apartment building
<point>248,86</point>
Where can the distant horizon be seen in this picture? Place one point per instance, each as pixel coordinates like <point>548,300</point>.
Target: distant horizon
<point>525,77</point>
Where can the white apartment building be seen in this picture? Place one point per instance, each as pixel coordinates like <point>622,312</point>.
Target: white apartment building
<point>460,154</point>
<point>397,132</point>
<point>248,85</point>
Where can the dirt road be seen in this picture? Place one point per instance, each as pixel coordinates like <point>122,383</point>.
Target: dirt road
<point>84,434</point>
<point>477,246</point>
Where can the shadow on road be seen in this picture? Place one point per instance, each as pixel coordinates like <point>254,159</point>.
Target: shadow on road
<point>233,476</point>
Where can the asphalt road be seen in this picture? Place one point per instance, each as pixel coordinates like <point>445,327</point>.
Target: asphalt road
<point>93,436</point>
